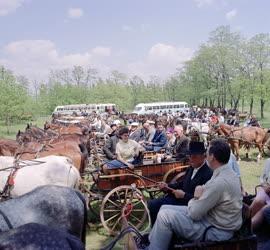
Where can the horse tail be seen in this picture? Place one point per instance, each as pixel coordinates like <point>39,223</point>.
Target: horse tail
<point>83,232</point>
<point>84,158</point>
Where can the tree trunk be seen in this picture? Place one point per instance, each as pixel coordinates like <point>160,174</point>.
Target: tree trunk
<point>262,108</point>
<point>251,105</point>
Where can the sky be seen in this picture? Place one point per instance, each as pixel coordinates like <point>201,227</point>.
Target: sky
<point>136,37</point>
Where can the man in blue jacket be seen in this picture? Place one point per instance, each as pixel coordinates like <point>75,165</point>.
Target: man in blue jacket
<point>159,140</point>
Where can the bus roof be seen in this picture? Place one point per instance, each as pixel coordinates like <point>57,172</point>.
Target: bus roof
<point>160,103</point>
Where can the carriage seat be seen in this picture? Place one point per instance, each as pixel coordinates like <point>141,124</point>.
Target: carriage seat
<point>243,238</point>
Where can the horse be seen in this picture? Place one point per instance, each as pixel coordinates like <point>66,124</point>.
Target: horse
<point>27,175</point>
<point>77,153</point>
<point>243,136</point>
<point>54,206</point>
<point>38,236</point>
<point>200,128</point>
<point>8,147</point>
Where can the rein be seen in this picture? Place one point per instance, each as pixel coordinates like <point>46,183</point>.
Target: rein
<point>6,220</point>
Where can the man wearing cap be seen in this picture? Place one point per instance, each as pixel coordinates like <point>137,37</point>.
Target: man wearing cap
<point>197,174</point>
<point>135,133</point>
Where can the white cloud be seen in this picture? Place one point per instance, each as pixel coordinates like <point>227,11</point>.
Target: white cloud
<point>127,28</point>
<point>161,60</point>
<point>101,51</point>
<point>75,13</point>
<point>201,3</point>
<point>35,58</point>
<point>231,14</point>
<point>8,6</point>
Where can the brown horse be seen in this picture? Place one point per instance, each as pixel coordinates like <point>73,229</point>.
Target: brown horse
<point>75,152</point>
<point>243,136</point>
<point>8,147</point>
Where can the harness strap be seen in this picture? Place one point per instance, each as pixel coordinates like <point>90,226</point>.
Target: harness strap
<point>6,219</point>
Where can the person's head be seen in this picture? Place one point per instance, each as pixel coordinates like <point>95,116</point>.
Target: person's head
<point>146,126</point>
<point>160,127</point>
<point>123,134</point>
<point>218,153</point>
<point>118,123</point>
<point>113,127</point>
<point>178,131</point>
<point>196,153</point>
<point>134,126</point>
<point>169,133</point>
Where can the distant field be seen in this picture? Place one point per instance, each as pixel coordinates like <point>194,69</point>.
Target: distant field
<point>20,126</point>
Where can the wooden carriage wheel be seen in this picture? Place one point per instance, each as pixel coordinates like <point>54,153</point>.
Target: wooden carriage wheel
<point>122,198</point>
<point>173,174</point>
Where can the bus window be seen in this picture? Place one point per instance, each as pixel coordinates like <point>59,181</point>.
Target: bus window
<point>182,105</point>
<point>176,106</point>
<point>163,107</point>
<point>186,106</point>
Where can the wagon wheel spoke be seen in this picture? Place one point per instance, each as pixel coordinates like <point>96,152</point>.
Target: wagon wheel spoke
<point>137,210</point>
<point>137,203</point>
<point>116,223</point>
<point>126,193</point>
<point>131,224</point>
<point>133,216</point>
<point>112,210</point>
<point>116,205</point>
<point>111,218</point>
<point>119,197</point>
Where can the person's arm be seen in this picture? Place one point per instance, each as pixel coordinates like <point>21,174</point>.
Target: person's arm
<point>107,151</point>
<point>198,208</point>
<point>162,140</point>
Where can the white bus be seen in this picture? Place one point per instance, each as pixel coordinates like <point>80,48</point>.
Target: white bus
<point>160,107</point>
<point>85,108</point>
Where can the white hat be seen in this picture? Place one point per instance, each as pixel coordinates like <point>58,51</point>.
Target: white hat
<point>150,122</point>
<point>116,122</point>
<point>135,124</point>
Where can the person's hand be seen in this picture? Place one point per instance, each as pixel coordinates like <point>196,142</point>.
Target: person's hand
<point>198,192</point>
<point>162,185</point>
<point>130,166</point>
<point>178,193</point>
<point>267,189</point>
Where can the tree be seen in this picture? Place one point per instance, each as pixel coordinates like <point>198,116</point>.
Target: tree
<point>13,98</point>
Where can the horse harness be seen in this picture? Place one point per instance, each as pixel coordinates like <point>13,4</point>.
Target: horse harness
<point>5,193</point>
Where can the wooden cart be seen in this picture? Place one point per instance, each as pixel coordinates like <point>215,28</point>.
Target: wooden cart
<point>124,191</point>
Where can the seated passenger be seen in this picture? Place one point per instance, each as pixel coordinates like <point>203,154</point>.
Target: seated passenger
<point>135,133</point>
<point>170,139</point>
<point>253,122</point>
<point>262,199</point>
<point>159,140</point>
<point>127,152</point>
<point>217,205</point>
<point>109,148</point>
<point>197,174</point>
<point>180,147</point>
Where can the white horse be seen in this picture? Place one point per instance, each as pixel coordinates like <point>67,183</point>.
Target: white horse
<point>50,170</point>
<point>201,127</point>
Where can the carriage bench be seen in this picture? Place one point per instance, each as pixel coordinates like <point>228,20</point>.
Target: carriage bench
<point>242,243</point>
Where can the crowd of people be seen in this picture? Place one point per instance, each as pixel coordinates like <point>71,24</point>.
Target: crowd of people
<point>210,195</point>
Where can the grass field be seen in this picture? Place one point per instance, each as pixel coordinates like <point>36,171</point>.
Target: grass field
<point>96,238</point>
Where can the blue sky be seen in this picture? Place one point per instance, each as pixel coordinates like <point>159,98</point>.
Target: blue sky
<point>144,37</point>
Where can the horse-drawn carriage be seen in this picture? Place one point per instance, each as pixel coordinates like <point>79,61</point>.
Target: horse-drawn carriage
<point>125,191</point>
